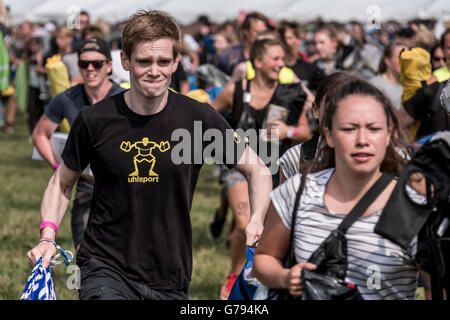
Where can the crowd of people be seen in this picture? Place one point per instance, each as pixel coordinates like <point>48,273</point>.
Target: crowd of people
<point>340,87</point>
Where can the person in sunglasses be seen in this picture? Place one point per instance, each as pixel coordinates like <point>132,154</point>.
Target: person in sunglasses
<point>94,62</point>
<point>437,57</point>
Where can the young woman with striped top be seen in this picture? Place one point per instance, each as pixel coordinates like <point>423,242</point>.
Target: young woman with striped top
<point>358,142</point>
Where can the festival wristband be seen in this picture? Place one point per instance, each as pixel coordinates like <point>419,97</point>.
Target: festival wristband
<point>291,132</point>
<point>49,224</point>
<point>295,131</point>
<point>55,166</point>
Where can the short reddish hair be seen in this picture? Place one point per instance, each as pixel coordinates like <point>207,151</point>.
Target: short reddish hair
<point>150,25</point>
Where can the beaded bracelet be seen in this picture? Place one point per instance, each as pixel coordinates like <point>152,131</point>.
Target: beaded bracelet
<point>65,254</point>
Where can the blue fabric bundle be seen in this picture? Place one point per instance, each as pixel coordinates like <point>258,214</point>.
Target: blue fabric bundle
<point>246,284</point>
<point>40,284</point>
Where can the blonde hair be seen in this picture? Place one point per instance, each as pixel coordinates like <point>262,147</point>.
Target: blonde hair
<point>64,32</point>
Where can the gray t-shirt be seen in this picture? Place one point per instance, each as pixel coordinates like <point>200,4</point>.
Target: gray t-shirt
<point>391,90</point>
<point>71,62</point>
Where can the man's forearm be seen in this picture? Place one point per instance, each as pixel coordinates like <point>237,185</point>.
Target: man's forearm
<point>260,186</point>
<point>44,146</point>
<point>55,202</point>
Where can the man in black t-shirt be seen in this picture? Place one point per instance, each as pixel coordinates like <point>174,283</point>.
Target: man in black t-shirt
<point>146,148</point>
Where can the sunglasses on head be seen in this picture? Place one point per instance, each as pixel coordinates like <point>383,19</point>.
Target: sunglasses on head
<point>97,64</point>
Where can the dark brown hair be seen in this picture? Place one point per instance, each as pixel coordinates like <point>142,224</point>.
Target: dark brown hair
<point>328,28</point>
<point>326,89</point>
<point>443,36</point>
<point>248,22</point>
<point>282,28</point>
<point>396,151</point>
<point>387,53</point>
<point>259,48</point>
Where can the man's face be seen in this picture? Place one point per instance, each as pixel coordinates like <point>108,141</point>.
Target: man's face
<point>256,26</point>
<point>93,76</point>
<point>151,66</point>
<point>84,21</point>
<point>446,50</point>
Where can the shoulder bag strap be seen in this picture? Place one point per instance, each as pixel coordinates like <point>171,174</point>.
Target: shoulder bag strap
<point>290,261</point>
<point>365,201</point>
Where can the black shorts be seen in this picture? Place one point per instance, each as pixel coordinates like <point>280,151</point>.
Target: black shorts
<point>102,282</point>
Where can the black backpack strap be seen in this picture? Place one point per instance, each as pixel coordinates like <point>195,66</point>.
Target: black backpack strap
<point>365,201</point>
<point>238,106</point>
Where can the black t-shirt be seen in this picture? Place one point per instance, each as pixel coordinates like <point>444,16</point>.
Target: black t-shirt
<point>139,221</point>
<point>425,106</point>
<point>309,73</point>
<point>178,76</point>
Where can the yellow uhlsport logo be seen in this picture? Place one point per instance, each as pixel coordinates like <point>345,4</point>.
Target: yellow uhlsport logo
<point>145,149</point>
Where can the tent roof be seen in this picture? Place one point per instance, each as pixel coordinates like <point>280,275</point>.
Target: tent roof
<point>186,11</point>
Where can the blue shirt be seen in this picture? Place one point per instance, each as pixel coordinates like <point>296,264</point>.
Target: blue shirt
<point>68,104</point>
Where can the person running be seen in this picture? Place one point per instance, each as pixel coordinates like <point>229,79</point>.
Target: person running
<point>359,142</point>
<point>267,57</point>
<point>138,240</point>
<point>94,62</point>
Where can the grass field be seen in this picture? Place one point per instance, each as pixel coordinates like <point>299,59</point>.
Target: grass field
<point>22,184</point>
<point>21,188</point>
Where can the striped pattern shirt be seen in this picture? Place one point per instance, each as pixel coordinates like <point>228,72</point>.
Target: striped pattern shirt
<point>378,267</point>
<point>290,161</point>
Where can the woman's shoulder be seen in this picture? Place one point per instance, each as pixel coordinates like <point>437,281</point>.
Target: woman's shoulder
<point>319,178</point>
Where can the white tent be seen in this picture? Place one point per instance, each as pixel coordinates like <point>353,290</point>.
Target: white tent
<point>186,11</point>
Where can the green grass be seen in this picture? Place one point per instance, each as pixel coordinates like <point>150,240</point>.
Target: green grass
<point>21,188</point>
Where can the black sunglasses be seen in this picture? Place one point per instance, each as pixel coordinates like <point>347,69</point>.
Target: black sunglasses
<point>439,59</point>
<point>97,64</point>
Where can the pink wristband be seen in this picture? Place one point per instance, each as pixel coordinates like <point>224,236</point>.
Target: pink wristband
<point>295,131</point>
<point>49,224</point>
<point>55,166</point>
